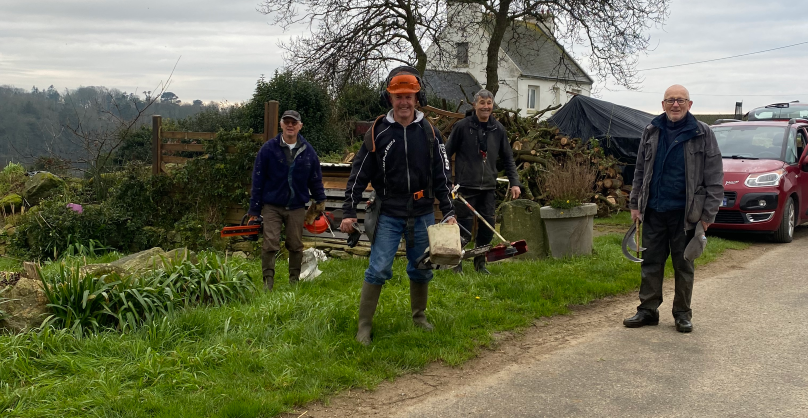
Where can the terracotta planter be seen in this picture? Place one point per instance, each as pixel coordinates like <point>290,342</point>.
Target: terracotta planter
<point>569,231</point>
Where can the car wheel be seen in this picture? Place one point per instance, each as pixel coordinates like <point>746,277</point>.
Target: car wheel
<point>785,233</point>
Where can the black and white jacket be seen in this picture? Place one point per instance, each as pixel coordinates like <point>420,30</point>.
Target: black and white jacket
<point>398,168</point>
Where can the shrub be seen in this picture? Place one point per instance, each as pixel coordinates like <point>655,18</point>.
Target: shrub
<point>570,183</point>
<point>303,94</point>
<point>87,304</point>
<point>12,179</point>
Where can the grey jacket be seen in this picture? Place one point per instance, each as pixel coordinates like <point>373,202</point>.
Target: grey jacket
<point>704,171</point>
<point>471,171</point>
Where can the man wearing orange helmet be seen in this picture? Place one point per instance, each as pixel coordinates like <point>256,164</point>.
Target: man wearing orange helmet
<point>285,177</point>
<point>404,158</point>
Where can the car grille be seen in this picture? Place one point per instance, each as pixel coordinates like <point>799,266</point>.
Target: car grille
<point>729,217</point>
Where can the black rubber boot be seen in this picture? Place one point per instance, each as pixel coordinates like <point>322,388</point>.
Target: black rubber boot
<point>479,265</point>
<point>268,269</point>
<point>367,308</point>
<point>419,293</point>
<point>295,262</point>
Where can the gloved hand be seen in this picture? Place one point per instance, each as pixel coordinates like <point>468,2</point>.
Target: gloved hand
<point>314,210</point>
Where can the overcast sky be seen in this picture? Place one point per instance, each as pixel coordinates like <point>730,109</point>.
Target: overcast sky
<point>226,45</point>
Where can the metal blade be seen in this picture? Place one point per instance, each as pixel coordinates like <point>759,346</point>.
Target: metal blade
<point>632,245</point>
<point>627,240</point>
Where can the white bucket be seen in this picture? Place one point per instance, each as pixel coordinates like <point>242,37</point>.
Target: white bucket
<point>444,244</point>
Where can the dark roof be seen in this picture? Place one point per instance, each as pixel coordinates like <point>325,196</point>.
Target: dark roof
<point>538,55</point>
<point>446,85</point>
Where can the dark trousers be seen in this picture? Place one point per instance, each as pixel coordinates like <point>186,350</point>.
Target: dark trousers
<point>485,203</point>
<point>663,234</point>
<point>274,219</point>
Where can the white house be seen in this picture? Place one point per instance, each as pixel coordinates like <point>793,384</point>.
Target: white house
<point>534,69</point>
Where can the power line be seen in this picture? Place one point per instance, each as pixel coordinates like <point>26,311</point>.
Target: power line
<point>716,95</point>
<point>725,58</point>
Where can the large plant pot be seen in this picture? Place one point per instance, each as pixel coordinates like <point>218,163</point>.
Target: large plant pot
<point>569,231</point>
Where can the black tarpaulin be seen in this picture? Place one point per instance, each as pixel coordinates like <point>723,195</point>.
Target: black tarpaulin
<point>617,128</point>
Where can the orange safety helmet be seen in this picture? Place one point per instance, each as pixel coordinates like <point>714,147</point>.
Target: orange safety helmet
<point>320,224</point>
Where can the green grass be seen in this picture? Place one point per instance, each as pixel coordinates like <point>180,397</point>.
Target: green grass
<point>622,218</point>
<point>294,346</point>
<point>10,264</point>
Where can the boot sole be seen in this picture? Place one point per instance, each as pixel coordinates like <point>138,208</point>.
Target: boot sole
<point>635,325</point>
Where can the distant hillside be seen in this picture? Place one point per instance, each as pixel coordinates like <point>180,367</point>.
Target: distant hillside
<point>38,123</point>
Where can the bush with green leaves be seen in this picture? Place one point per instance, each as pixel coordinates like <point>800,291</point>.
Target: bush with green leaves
<point>303,94</point>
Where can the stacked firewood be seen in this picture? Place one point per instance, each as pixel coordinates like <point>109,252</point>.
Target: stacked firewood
<point>539,147</point>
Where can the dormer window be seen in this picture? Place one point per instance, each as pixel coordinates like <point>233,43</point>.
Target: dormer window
<point>462,54</point>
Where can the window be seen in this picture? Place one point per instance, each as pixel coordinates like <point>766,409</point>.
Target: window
<point>462,54</point>
<point>532,99</point>
<point>556,95</point>
<point>791,148</point>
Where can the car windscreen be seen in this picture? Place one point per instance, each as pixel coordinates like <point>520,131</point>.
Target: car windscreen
<point>750,141</point>
<point>793,111</point>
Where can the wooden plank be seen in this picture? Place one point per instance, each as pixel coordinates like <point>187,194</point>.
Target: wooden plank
<point>157,123</point>
<point>183,147</point>
<point>173,159</point>
<point>188,135</point>
<point>271,109</point>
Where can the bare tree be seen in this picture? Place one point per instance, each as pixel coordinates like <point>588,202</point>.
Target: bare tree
<point>613,31</point>
<point>357,38</point>
<point>353,40</point>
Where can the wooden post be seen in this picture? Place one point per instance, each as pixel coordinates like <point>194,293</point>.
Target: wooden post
<point>270,119</point>
<point>157,152</point>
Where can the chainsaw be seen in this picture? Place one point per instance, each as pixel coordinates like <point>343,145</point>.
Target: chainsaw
<point>251,230</point>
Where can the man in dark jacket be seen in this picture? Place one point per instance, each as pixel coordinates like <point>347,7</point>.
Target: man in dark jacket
<point>286,171</point>
<point>403,157</point>
<point>678,185</point>
<point>477,142</point>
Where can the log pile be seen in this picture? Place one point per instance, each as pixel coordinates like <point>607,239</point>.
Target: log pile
<point>539,147</point>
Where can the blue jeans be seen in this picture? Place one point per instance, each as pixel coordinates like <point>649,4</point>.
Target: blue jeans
<point>383,251</point>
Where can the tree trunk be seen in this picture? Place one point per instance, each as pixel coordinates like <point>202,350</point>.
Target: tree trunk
<point>501,23</point>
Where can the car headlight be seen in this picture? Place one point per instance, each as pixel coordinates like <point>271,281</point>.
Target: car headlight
<point>769,179</point>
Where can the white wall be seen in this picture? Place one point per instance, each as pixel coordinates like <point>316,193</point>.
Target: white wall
<point>546,95</point>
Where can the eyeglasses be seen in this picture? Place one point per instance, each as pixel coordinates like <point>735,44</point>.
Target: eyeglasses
<point>289,121</point>
<point>680,101</point>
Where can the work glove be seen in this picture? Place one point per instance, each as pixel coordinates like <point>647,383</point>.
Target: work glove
<point>314,210</point>
<point>696,245</point>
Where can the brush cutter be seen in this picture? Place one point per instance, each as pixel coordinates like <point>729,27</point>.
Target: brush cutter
<point>501,251</point>
<point>251,230</point>
<point>630,241</point>
<point>492,253</point>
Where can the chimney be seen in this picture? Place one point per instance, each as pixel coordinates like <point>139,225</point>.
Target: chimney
<point>545,21</point>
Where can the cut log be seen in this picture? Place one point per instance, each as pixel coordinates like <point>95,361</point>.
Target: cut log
<point>612,183</point>
<point>564,140</point>
<point>516,145</point>
<point>348,158</point>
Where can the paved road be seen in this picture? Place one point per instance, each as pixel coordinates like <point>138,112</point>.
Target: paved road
<point>747,357</point>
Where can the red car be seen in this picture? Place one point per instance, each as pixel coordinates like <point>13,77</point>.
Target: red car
<point>765,176</point>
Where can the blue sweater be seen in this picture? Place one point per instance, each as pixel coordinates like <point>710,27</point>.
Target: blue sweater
<point>276,181</point>
<point>668,185</point>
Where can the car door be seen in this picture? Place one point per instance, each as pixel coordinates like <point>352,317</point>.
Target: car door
<point>802,176</point>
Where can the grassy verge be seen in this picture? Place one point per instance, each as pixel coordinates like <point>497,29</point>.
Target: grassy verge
<point>293,346</point>
<point>10,264</point>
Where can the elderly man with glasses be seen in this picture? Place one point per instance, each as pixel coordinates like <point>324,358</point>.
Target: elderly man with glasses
<point>678,187</point>
<point>285,177</point>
